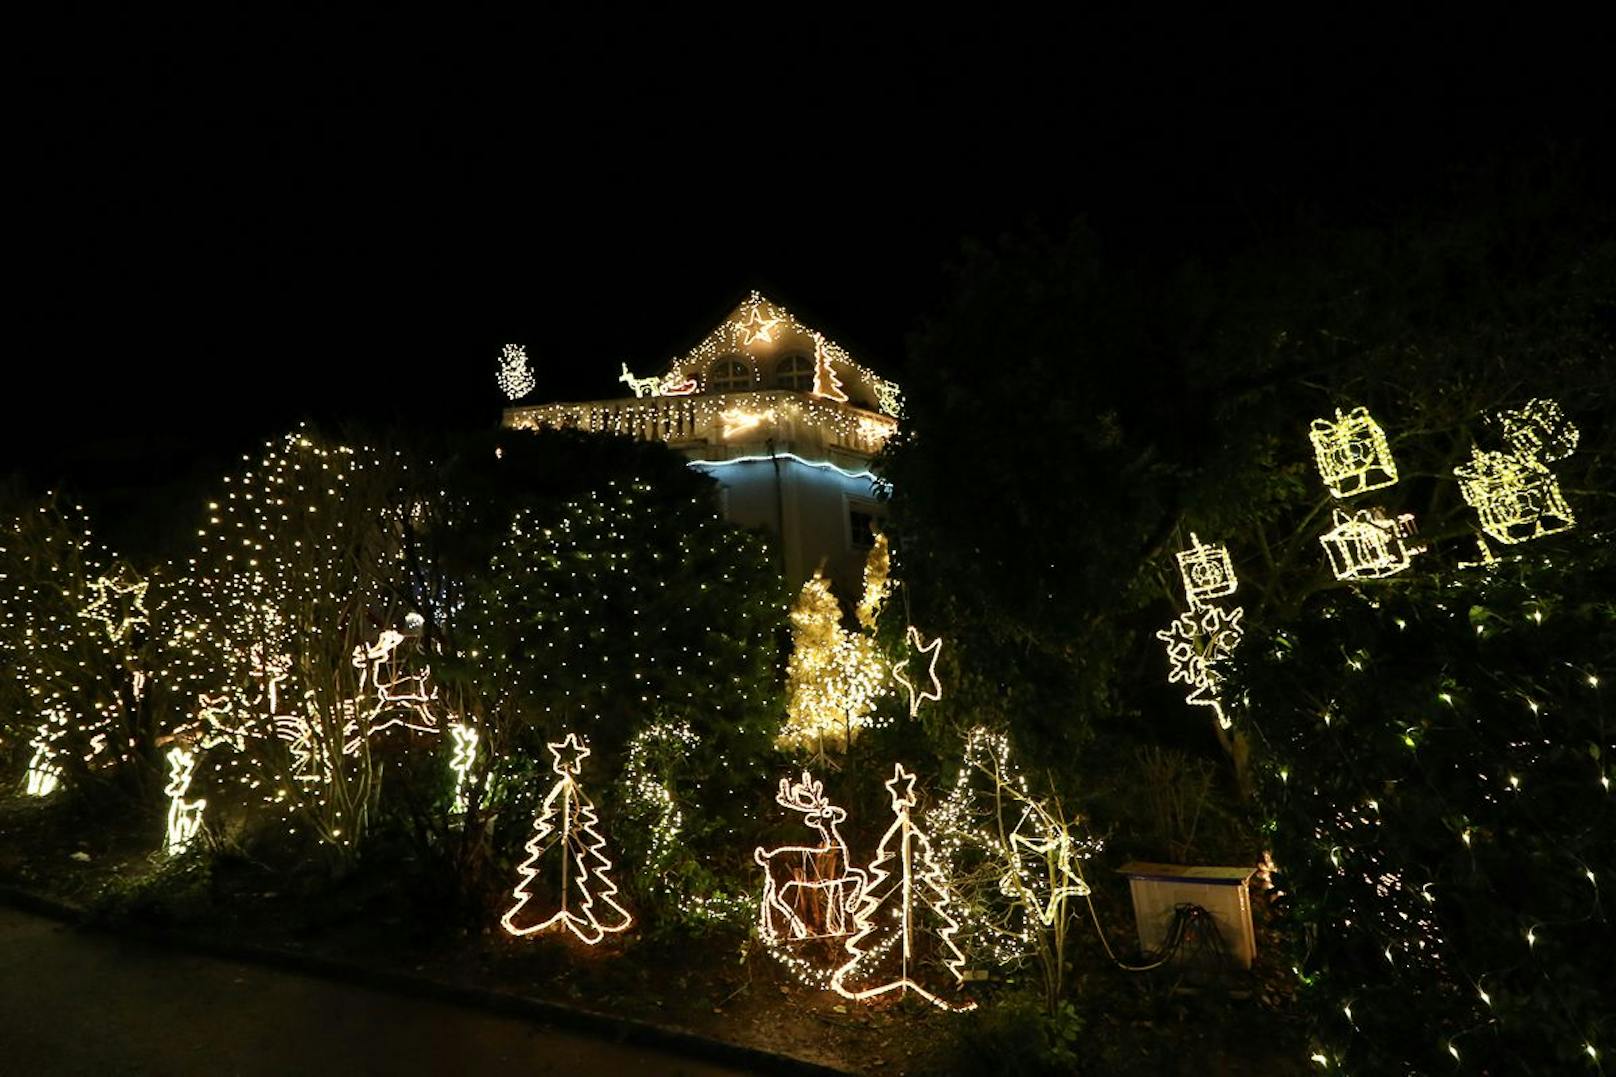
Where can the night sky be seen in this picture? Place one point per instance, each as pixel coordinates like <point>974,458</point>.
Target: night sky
<point>223,227</point>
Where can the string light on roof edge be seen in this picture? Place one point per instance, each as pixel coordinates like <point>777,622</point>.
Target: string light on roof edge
<point>1352,454</point>
<point>1368,545</point>
<point>515,377</point>
<point>906,884</point>
<point>586,904</point>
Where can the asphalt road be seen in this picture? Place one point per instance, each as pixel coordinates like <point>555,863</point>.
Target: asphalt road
<point>82,1003</point>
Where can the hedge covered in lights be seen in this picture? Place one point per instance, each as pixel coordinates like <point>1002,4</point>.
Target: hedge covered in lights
<point>1439,796</point>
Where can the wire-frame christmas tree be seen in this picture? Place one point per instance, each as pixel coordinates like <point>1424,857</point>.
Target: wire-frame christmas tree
<point>903,914</point>
<point>566,824</point>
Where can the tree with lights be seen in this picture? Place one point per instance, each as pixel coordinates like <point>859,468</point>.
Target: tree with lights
<point>834,675</point>
<point>905,936</point>
<point>77,642</point>
<point>565,833</point>
<point>1437,783</point>
<point>293,634</point>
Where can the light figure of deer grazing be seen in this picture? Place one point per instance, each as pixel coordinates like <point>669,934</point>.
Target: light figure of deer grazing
<point>808,890</point>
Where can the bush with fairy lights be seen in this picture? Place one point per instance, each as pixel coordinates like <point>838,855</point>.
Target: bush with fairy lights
<point>1438,792</point>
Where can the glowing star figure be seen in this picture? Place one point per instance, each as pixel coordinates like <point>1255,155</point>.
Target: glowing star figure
<point>1352,453</point>
<point>514,377</point>
<point>826,383</point>
<point>738,421</point>
<point>461,759</point>
<point>808,890</point>
<point>1197,642</point>
<point>1517,498</point>
<point>1207,572</point>
<point>1053,845</point>
<point>1539,430</point>
<point>586,896</point>
<point>1367,545</point>
<point>757,327</point>
<point>184,816</point>
<point>935,692</point>
<point>118,604</point>
<point>904,912</point>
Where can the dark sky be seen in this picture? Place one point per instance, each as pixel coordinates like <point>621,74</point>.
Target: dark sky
<point>227,225</point>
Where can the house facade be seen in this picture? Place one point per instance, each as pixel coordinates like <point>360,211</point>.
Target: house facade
<point>781,416</point>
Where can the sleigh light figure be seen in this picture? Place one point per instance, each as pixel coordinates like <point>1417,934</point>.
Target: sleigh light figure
<point>1352,454</point>
<point>1367,545</point>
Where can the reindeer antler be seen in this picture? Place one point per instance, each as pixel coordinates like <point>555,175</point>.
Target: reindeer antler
<point>806,795</point>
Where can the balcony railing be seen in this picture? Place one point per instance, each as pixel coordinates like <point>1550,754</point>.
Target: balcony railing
<point>717,426</point>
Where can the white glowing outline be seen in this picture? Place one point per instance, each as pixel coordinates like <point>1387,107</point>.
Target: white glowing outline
<point>44,775</point>
<point>738,421</point>
<point>757,329</point>
<point>184,816</point>
<point>515,378</point>
<point>833,675</point>
<point>1068,883</point>
<point>462,758</point>
<point>826,383</point>
<point>642,387</point>
<point>1196,642</point>
<point>577,817</point>
<point>106,607</point>
<point>912,845</point>
<point>824,465</point>
<point>792,871</point>
<point>1368,545</point>
<point>1540,430</point>
<point>1352,454</point>
<point>1207,572</point>
<point>1516,497</point>
<point>935,692</point>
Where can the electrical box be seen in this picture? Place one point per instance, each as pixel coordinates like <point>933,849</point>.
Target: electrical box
<point>1159,889</point>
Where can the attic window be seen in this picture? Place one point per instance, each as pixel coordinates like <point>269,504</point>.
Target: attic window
<point>795,372</point>
<point>728,376</point>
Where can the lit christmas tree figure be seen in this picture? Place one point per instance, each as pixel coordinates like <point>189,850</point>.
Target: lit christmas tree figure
<point>903,915</point>
<point>565,833</point>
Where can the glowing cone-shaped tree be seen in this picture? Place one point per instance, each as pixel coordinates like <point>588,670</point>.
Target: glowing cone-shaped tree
<point>567,847</point>
<point>905,930</point>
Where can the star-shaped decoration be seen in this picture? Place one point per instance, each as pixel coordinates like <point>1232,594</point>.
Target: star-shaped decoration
<point>902,788</point>
<point>118,605</point>
<point>935,692</point>
<point>758,329</point>
<point>569,755</point>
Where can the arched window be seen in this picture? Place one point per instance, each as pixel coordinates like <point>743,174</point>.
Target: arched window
<point>728,376</point>
<point>794,372</point>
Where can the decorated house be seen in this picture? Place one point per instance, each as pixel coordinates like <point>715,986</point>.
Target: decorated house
<point>781,416</point>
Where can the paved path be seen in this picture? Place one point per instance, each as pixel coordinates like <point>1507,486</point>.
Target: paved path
<point>83,1003</point>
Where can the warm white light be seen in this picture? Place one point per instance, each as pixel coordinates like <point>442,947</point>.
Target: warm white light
<point>1367,545</point>
<point>514,377</point>
<point>1352,454</point>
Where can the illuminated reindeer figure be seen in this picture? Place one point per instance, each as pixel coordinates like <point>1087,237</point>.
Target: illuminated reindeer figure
<point>641,386</point>
<point>808,890</point>
<point>395,698</point>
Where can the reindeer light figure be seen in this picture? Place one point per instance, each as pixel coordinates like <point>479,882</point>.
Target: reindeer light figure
<point>808,890</point>
<point>641,386</point>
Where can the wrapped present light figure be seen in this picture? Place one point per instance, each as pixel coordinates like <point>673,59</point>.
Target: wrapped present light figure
<point>1368,545</point>
<point>1352,453</point>
<point>1516,497</point>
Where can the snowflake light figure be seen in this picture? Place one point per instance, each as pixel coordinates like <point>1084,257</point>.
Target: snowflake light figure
<point>1197,643</point>
<point>1368,545</point>
<point>515,378</point>
<point>1516,497</point>
<point>1539,430</point>
<point>1207,571</point>
<point>1352,453</point>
